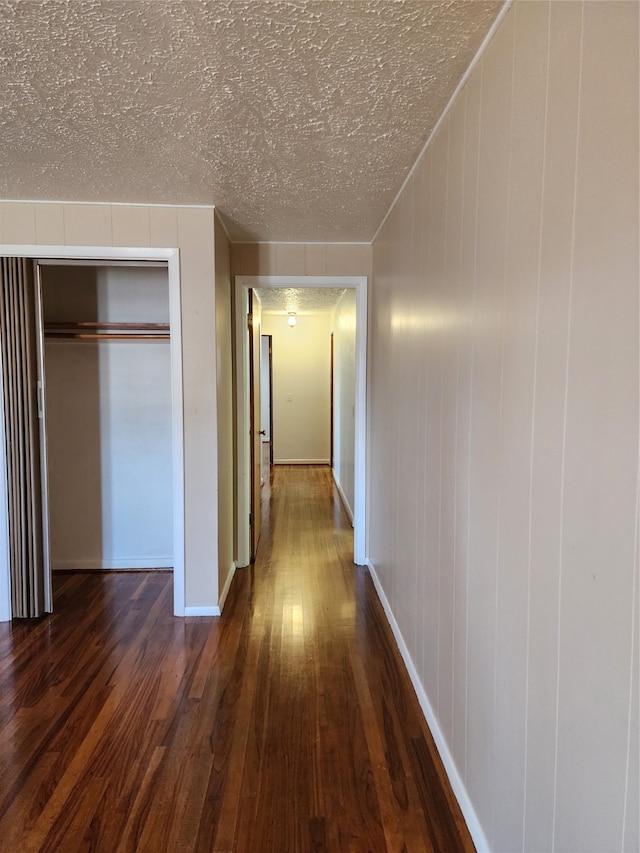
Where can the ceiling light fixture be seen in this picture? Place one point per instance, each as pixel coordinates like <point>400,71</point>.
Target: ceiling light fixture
<point>292,318</point>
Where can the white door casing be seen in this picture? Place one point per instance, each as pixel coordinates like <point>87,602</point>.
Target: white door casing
<point>101,254</point>
<point>242,286</point>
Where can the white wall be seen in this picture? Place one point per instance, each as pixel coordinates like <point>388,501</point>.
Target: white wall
<point>302,372</point>
<point>344,396</point>
<point>108,423</point>
<point>504,398</point>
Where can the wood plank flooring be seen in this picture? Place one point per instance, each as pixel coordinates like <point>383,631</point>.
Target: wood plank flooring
<point>286,725</point>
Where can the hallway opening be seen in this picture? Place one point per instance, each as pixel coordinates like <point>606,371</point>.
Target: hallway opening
<point>246,506</point>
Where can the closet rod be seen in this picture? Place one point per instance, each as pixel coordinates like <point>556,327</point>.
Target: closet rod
<point>106,326</point>
<point>98,262</point>
<point>104,336</point>
<point>96,330</point>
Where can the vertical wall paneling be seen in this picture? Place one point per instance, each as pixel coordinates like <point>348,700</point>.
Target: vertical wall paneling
<point>431,190</point>
<point>450,370</point>
<point>163,226</point>
<point>554,277</point>
<point>484,448</point>
<point>518,414</point>
<point>309,259</point>
<point>464,415</point>
<point>224,381</point>
<point>49,222</point>
<point>88,224</point>
<point>290,259</point>
<point>131,224</point>
<point>195,237</point>
<point>600,459</point>
<point>504,423</point>
<point>18,223</point>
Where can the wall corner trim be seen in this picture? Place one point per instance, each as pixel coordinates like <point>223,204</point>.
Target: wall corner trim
<point>457,785</point>
<point>202,611</point>
<point>227,586</point>
<point>343,497</point>
<point>142,564</point>
<point>301,461</point>
<point>218,216</point>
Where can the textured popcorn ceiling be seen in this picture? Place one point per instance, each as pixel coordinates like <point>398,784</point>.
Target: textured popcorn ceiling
<point>298,119</point>
<point>302,300</point>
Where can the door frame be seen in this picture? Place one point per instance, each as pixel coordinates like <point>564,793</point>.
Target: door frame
<point>106,254</point>
<point>331,400</point>
<point>255,415</point>
<point>270,363</point>
<point>242,285</point>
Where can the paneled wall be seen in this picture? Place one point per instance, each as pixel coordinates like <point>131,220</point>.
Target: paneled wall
<point>192,231</point>
<point>301,258</point>
<point>504,386</point>
<point>224,378</point>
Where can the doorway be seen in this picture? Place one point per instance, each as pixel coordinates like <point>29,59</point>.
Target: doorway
<point>107,381</point>
<point>243,285</point>
<point>170,260</point>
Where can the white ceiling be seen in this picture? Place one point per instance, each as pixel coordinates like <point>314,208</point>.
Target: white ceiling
<point>298,119</point>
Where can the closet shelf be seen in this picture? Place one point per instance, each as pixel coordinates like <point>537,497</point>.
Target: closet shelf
<point>98,331</point>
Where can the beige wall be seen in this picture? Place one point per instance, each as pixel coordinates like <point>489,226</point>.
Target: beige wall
<point>225,409</point>
<point>504,428</point>
<point>301,259</point>
<point>301,385</point>
<point>192,231</point>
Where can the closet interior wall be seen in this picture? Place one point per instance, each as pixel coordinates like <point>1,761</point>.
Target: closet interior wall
<point>108,416</point>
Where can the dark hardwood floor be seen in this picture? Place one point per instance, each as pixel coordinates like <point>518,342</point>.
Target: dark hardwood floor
<point>286,725</point>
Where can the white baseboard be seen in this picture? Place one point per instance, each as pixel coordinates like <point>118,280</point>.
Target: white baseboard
<point>202,611</point>
<point>227,587</point>
<point>301,462</point>
<point>457,785</point>
<point>343,497</point>
<point>146,563</point>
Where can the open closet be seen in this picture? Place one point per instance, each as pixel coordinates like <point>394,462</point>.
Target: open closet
<point>106,355</point>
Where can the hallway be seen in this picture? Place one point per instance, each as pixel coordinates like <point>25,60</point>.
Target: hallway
<point>288,724</point>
